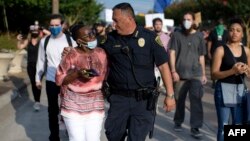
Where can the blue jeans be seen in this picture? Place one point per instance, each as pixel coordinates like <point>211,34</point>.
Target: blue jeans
<point>223,112</point>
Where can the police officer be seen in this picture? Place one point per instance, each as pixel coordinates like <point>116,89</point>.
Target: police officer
<point>133,52</point>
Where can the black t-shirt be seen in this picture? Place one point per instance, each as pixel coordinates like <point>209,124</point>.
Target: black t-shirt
<point>217,41</point>
<point>32,52</point>
<point>144,50</point>
<point>227,63</point>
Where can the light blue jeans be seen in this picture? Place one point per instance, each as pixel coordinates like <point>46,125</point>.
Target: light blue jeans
<point>223,112</point>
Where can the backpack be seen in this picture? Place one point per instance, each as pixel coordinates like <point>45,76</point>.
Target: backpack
<point>47,41</point>
<point>45,47</point>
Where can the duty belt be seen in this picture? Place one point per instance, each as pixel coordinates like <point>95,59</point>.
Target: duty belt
<point>140,94</point>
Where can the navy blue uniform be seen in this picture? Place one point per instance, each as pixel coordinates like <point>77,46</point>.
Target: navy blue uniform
<point>143,50</point>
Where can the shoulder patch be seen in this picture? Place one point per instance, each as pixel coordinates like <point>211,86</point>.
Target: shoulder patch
<point>158,41</point>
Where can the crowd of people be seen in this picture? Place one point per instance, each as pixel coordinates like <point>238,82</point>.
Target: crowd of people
<point>77,61</point>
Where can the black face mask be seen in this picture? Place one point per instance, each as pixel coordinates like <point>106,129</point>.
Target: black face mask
<point>34,35</point>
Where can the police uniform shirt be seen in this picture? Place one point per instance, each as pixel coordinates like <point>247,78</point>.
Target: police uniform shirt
<point>145,50</point>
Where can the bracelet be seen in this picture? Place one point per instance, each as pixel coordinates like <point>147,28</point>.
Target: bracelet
<point>170,96</point>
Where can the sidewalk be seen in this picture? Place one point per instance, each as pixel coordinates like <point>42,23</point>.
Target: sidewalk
<point>163,130</point>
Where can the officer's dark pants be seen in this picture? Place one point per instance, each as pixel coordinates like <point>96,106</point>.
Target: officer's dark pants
<point>53,109</point>
<point>195,90</point>
<point>126,112</point>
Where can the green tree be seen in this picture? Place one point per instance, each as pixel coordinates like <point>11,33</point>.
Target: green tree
<point>86,11</point>
<point>177,9</point>
<point>21,13</point>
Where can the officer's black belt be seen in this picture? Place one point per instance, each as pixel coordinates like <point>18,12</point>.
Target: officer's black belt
<point>140,94</point>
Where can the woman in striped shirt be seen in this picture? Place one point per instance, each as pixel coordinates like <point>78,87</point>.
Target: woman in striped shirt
<point>80,75</point>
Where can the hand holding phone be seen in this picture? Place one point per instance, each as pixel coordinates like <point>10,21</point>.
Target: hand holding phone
<point>88,73</point>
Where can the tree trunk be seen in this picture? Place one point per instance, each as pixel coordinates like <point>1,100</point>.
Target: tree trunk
<point>55,6</point>
<point>6,20</point>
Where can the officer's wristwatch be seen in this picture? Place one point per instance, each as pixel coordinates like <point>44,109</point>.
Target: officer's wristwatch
<point>171,96</point>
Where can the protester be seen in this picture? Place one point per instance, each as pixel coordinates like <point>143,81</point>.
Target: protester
<point>31,44</point>
<point>82,102</point>
<point>101,35</point>
<point>231,63</point>
<point>157,24</point>
<point>217,37</point>
<point>133,52</point>
<point>187,62</point>
<point>49,57</point>
<point>42,30</point>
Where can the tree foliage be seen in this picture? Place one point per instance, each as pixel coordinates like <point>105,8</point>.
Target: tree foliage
<point>86,11</point>
<point>212,10</point>
<point>177,9</point>
<point>22,13</point>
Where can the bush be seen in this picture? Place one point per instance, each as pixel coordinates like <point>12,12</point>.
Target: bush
<point>8,43</point>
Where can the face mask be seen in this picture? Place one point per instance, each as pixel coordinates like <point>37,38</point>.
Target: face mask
<point>92,44</point>
<point>219,29</point>
<point>187,24</point>
<point>55,30</point>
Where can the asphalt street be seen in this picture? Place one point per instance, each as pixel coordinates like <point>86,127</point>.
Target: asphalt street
<point>19,122</point>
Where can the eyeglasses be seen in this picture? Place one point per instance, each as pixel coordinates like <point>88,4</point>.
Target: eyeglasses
<point>89,35</point>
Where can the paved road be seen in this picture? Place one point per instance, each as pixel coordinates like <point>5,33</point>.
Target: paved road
<point>18,121</point>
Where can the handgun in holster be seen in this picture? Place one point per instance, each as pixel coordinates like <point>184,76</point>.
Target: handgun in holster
<point>152,104</point>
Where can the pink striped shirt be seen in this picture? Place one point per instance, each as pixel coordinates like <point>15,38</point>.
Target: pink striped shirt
<point>82,97</point>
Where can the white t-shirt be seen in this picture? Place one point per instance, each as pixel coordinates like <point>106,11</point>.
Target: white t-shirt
<point>54,51</point>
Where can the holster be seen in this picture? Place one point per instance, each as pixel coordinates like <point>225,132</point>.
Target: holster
<point>152,100</point>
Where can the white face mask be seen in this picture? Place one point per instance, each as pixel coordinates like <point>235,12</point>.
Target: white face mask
<point>187,24</point>
<point>92,44</point>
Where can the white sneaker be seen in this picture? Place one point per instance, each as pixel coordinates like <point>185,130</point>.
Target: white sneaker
<point>36,106</point>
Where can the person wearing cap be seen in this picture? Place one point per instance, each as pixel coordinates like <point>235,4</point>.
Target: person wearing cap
<point>101,36</point>
<point>31,44</point>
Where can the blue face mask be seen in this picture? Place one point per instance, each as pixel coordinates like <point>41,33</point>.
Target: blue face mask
<point>92,44</point>
<point>55,30</point>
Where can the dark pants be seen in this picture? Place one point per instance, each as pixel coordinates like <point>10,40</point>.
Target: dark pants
<point>195,90</point>
<point>53,109</point>
<point>125,113</point>
<point>31,69</point>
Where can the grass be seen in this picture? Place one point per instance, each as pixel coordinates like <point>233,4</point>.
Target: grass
<point>8,43</point>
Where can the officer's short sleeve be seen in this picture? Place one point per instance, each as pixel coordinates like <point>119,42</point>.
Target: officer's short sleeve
<point>159,52</point>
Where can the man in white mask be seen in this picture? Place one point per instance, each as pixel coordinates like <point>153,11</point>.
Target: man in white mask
<point>188,45</point>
